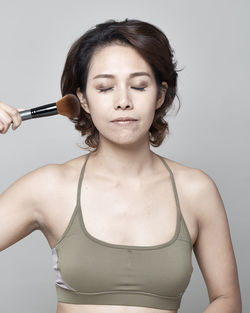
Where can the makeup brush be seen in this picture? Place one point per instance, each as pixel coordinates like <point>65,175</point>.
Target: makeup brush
<point>68,106</point>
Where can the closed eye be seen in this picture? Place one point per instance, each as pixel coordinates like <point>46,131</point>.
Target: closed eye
<point>141,89</point>
<point>137,88</point>
<point>104,90</point>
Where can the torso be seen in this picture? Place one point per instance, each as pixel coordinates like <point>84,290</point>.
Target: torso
<point>121,217</point>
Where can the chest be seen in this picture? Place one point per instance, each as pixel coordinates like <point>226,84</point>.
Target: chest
<point>126,214</point>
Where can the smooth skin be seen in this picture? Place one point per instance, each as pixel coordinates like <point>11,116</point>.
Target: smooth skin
<point>142,197</point>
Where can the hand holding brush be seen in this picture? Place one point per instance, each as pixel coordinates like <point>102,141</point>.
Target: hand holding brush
<point>68,106</point>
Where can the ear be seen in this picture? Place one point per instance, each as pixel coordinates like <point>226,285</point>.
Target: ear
<point>83,100</point>
<point>161,98</point>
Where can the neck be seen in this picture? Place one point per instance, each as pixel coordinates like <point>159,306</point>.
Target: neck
<point>127,163</point>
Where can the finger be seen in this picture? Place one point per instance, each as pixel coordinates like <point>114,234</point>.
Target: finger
<point>17,120</point>
<point>1,127</point>
<point>8,115</point>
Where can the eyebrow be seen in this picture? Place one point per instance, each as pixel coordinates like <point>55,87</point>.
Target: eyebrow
<point>130,76</point>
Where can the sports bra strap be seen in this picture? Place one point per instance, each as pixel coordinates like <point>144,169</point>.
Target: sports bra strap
<point>80,179</point>
<point>173,182</point>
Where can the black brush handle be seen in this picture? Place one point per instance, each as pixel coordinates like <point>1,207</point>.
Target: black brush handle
<point>41,111</point>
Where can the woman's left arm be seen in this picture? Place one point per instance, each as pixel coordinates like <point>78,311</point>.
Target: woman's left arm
<point>214,251</point>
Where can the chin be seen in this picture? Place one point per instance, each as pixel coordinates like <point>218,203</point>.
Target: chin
<point>132,141</point>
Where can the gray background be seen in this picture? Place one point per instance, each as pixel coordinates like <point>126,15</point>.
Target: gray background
<point>210,132</point>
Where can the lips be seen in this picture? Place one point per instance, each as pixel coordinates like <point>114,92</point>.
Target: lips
<point>124,119</point>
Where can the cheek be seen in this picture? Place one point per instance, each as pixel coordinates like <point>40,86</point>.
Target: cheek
<point>148,113</point>
<point>96,107</point>
<point>101,116</point>
<point>150,119</point>
<point>99,119</point>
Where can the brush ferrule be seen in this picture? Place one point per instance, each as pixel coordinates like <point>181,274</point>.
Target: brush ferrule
<point>25,115</point>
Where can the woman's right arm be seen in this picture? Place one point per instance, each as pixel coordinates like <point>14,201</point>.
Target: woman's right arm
<point>19,212</point>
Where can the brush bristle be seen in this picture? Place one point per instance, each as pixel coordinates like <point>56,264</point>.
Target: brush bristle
<point>69,106</point>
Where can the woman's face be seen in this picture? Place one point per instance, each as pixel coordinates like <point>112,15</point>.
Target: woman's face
<point>121,83</point>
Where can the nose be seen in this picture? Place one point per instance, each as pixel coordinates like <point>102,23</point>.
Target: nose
<point>123,99</point>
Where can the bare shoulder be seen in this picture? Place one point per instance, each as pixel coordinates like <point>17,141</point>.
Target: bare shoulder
<point>49,183</point>
<point>48,176</point>
<point>198,190</point>
<point>192,179</point>
<point>34,182</point>
<point>54,176</point>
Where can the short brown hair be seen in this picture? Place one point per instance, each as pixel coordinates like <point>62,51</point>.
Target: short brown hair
<point>153,46</point>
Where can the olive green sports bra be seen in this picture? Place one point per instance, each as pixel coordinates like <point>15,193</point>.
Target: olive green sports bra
<point>91,271</point>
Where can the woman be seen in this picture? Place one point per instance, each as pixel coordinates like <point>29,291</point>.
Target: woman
<point>122,221</point>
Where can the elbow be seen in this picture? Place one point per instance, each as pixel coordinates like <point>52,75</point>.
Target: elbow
<point>234,303</point>
<point>229,303</point>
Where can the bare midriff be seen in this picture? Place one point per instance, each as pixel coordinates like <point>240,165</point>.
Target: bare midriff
<point>86,308</point>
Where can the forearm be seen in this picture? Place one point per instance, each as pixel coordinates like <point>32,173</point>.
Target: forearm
<point>224,305</point>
